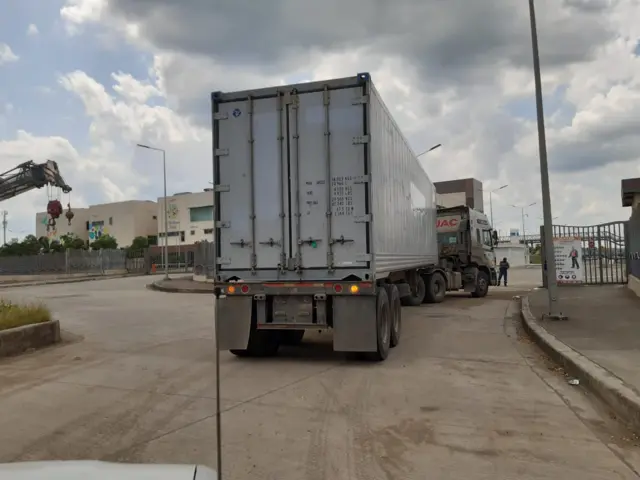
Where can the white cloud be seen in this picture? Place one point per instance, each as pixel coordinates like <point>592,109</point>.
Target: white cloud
<point>441,86</point>
<point>7,55</point>
<point>32,30</point>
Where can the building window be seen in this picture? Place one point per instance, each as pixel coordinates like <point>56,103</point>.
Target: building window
<point>110,220</point>
<point>98,223</point>
<point>182,236</point>
<point>192,232</point>
<point>155,217</point>
<point>208,231</point>
<point>201,214</point>
<point>87,225</point>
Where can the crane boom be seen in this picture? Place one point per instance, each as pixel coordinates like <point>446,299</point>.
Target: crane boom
<point>30,175</point>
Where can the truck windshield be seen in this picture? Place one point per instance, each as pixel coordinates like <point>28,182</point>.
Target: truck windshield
<point>448,238</point>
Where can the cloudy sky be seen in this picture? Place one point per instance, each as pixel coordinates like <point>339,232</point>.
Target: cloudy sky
<point>82,81</point>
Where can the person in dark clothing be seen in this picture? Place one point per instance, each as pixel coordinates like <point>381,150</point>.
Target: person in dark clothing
<point>504,266</point>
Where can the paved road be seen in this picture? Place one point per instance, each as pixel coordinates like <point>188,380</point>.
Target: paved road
<point>461,397</point>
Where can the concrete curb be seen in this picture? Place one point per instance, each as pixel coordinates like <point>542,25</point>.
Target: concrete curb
<point>20,339</point>
<point>163,288</point>
<point>621,397</point>
<point>69,280</point>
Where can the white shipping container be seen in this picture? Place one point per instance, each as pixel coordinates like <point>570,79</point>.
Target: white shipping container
<point>315,181</point>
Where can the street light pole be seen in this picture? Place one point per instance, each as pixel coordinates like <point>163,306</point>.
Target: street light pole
<point>166,210</point>
<point>522,209</point>
<point>491,201</point>
<point>430,150</point>
<point>549,261</point>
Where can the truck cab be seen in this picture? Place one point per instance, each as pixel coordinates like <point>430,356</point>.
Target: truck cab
<point>466,243</point>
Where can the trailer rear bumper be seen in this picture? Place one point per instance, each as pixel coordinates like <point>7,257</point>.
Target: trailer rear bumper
<point>350,312</point>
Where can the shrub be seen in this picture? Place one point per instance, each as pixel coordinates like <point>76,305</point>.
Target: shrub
<point>16,315</point>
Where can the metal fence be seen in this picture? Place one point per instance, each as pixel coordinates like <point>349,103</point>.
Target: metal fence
<point>67,262</point>
<point>605,253</point>
<point>204,259</point>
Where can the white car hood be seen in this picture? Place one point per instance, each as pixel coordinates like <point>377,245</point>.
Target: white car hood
<point>94,470</point>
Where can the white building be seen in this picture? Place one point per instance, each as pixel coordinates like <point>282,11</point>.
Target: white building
<point>190,217</point>
<point>122,220</point>
<point>515,252</point>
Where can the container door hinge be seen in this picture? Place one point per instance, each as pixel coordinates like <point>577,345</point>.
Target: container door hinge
<point>223,224</point>
<point>222,152</point>
<point>221,188</point>
<point>360,140</point>
<point>363,100</point>
<point>363,219</point>
<point>221,116</point>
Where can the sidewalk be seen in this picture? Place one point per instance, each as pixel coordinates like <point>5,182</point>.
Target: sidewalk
<point>604,326</point>
<point>181,285</point>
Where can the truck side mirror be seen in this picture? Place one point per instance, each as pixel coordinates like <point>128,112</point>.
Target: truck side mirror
<point>494,234</point>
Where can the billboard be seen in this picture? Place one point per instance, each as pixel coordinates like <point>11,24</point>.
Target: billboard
<point>569,261</point>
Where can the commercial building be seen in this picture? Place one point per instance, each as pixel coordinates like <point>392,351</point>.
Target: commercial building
<point>190,217</point>
<point>466,191</point>
<point>122,220</point>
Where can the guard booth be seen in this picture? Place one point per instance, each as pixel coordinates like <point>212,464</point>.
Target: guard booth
<point>631,198</point>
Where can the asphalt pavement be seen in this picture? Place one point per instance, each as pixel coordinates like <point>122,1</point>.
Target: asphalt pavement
<point>462,397</point>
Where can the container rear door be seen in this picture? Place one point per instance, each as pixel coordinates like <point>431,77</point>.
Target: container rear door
<point>254,224</point>
<point>327,165</point>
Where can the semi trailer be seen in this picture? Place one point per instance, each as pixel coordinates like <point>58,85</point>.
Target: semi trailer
<point>324,219</point>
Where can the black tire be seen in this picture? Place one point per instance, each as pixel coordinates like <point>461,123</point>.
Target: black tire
<point>416,299</point>
<point>383,328</point>
<point>291,337</point>
<point>482,285</point>
<point>436,287</point>
<point>262,343</point>
<point>395,308</point>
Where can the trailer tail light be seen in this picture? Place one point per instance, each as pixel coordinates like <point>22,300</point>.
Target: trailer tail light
<point>354,288</point>
<point>244,289</point>
<point>231,289</point>
<point>337,288</point>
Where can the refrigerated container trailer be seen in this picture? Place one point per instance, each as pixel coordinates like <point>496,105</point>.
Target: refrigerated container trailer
<point>324,218</point>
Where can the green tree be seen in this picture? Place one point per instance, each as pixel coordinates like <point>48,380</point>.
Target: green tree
<point>72,241</point>
<point>139,243</point>
<point>105,242</point>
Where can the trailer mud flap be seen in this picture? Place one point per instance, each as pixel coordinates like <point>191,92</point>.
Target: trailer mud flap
<point>234,322</point>
<point>354,324</point>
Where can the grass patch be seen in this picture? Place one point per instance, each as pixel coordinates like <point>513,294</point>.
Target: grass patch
<point>535,259</point>
<point>17,315</point>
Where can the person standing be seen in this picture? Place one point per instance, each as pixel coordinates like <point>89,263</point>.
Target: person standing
<point>504,267</point>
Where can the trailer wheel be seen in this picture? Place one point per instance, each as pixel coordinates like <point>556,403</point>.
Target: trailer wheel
<point>262,343</point>
<point>383,328</point>
<point>436,288</point>
<point>415,299</point>
<point>482,285</point>
<point>291,337</point>
<point>395,308</point>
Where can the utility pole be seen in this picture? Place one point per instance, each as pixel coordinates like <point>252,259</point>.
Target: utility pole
<point>4,226</point>
<point>491,202</point>
<point>549,260</point>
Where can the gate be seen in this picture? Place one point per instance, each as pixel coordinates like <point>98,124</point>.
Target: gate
<point>602,254</point>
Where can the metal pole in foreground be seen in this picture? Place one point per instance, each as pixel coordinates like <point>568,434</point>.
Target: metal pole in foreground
<point>217,292</point>
<point>549,261</point>
<point>166,219</point>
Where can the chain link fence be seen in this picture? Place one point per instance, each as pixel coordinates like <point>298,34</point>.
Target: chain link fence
<point>204,260</point>
<point>69,262</point>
